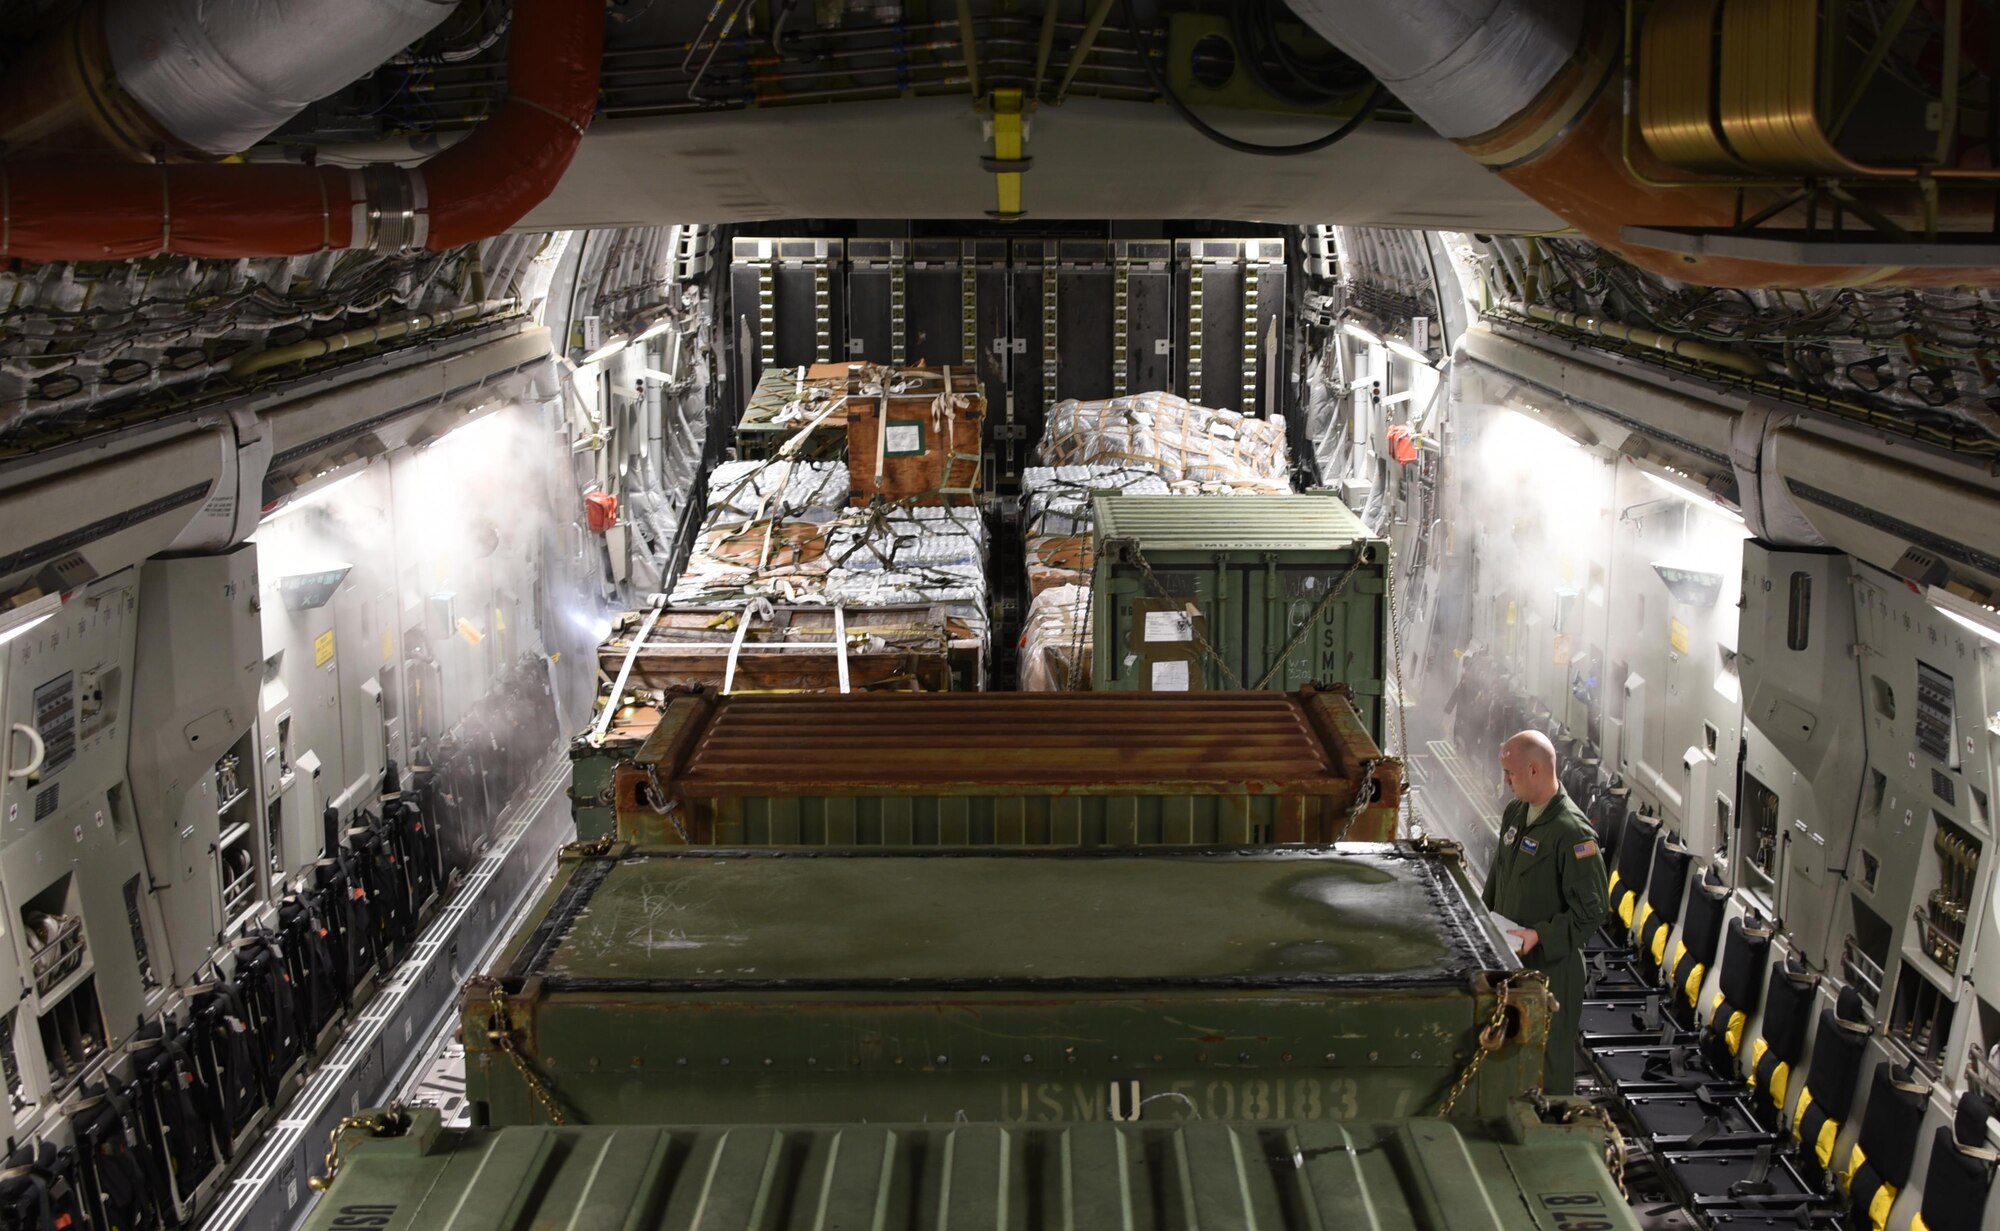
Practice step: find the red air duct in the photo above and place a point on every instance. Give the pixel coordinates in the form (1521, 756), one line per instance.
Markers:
(91, 212)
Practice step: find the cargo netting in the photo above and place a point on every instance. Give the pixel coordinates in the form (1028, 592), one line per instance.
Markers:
(1058, 497)
(1192, 448)
(810, 552)
(1057, 505)
(805, 491)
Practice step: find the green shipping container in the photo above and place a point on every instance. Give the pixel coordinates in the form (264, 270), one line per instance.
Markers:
(1009, 769)
(1216, 592)
(713, 986)
(1515, 1174)
(594, 765)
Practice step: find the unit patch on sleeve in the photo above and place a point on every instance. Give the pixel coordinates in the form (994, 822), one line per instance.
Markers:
(1529, 846)
(1586, 848)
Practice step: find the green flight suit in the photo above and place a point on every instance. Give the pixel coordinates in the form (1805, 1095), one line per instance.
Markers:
(1550, 876)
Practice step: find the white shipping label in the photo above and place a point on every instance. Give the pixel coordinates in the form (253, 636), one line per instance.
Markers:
(905, 439)
(1169, 626)
(1170, 677)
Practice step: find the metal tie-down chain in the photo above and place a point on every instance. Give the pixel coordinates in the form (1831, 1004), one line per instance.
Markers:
(1492, 1036)
(500, 1033)
(389, 1121)
(1402, 706)
(1363, 796)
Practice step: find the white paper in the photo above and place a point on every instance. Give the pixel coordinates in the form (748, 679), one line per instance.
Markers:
(905, 439)
(1170, 677)
(1169, 626)
(1508, 928)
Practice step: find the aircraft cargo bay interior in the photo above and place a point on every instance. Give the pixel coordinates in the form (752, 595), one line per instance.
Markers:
(1035, 614)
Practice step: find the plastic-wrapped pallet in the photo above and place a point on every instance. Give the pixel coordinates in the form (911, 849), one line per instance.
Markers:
(1055, 641)
(733, 562)
(1059, 560)
(805, 491)
(891, 557)
(1058, 497)
(860, 558)
(1173, 437)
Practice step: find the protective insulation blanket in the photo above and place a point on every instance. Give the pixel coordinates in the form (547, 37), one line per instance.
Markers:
(1055, 641)
(805, 491)
(1213, 450)
(1058, 497)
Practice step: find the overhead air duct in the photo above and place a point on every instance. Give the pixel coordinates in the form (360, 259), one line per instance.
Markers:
(73, 210)
(196, 78)
(1538, 91)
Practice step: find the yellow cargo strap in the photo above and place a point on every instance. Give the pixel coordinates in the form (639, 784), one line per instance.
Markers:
(1009, 153)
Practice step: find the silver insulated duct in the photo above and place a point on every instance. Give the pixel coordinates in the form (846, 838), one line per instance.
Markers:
(221, 75)
(1464, 66)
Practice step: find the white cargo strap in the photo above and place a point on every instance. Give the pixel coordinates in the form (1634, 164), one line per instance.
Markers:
(624, 674)
(840, 644)
(882, 440)
(798, 439)
(750, 613)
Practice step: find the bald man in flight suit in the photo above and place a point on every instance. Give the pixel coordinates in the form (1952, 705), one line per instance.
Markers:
(1548, 876)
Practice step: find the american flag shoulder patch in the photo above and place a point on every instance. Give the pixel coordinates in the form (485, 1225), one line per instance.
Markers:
(1586, 848)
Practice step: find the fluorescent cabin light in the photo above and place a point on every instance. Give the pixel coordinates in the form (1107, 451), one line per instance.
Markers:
(1981, 620)
(28, 615)
(310, 498)
(655, 329)
(1354, 330)
(604, 352)
(1692, 496)
(1410, 353)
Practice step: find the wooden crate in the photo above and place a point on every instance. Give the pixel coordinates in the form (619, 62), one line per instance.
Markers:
(904, 444)
(761, 429)
(793, 649)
